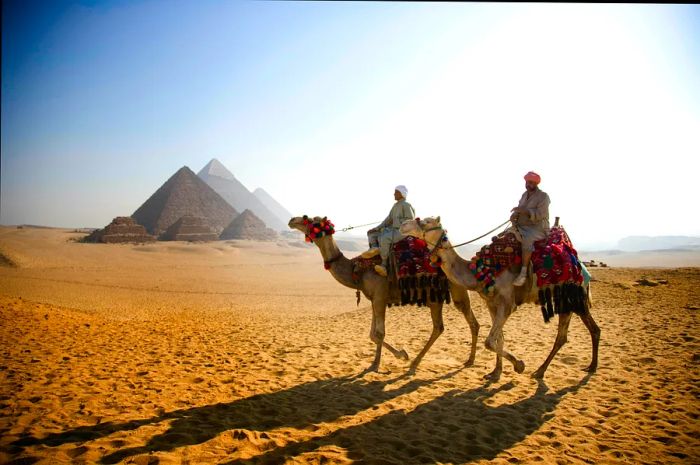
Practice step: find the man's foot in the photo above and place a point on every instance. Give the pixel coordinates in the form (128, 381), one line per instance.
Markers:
(520, 280)
(381, 270)
(373, 252)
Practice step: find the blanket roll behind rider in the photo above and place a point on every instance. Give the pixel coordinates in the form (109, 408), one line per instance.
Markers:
(382, 237)
(531, 219)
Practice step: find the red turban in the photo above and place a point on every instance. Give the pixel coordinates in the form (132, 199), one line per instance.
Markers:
(532, 176)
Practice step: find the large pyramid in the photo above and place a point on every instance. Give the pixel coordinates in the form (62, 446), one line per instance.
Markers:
(184, 194)
(248, 226)
(235, 193)
(189, 228)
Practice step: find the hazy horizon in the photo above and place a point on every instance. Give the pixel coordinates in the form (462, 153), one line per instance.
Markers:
(327, 106)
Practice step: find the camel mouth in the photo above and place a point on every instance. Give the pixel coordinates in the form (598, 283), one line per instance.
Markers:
(295, 223)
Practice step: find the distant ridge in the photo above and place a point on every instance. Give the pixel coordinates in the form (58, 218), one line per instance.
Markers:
(273, 205)
(219, 178)
(184, 194)
(640, 243)
(248, 226)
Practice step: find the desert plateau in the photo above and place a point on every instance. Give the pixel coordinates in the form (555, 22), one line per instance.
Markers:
(249, 352)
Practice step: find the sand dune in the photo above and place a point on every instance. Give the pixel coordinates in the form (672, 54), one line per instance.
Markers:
(239, 352)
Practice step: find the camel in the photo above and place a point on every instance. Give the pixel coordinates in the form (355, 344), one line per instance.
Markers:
(377, 290)
(501, 303)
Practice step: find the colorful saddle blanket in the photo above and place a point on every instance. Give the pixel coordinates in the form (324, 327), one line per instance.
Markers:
(554, 262)
(419, 280)
(493, 259)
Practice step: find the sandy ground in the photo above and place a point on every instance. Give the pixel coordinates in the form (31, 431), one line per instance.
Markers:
(242, 352)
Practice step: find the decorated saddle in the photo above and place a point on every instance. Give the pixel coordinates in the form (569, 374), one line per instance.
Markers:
(418, 280)
(555, 263)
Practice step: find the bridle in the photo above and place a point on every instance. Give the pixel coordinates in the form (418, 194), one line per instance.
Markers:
(316, 230)
(438, 244)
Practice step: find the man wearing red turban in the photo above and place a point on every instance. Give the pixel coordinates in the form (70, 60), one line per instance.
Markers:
(531, 219)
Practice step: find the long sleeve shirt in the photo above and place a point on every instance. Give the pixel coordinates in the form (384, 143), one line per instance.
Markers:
(400, 212)
(537, 206)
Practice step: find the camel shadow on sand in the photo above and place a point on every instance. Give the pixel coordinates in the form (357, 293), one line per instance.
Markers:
(298, 407)
(455, 427)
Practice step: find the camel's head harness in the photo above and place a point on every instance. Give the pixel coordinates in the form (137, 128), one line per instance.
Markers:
(317, 227)
(428, 229)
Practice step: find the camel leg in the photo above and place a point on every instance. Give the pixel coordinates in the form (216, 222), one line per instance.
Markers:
(463, 303)
(562, 331)
(376, 334)
(494, 342)
(593, 328)
(438, 329)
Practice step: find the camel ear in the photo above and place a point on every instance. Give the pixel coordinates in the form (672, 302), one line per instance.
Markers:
(438, 220)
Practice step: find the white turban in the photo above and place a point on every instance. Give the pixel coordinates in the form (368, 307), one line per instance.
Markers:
(401, 188)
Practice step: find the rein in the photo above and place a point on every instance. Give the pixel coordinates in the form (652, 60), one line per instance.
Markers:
(358, 226)
(443, 237)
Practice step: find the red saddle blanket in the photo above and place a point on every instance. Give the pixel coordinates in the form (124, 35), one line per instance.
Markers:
(413, 257)
(554, 260)
(419, 280)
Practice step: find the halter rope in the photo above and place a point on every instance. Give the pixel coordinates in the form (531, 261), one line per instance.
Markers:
(444, 234)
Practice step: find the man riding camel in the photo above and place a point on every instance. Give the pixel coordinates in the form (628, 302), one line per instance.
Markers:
(531, 219)
(382, 237)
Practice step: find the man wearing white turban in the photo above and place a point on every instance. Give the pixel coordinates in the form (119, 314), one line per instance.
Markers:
(382, 237)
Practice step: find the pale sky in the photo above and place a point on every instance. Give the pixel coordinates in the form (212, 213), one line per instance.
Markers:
(328, 106)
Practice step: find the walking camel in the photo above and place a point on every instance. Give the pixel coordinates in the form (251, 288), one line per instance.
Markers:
(377, 290)
(501, 301)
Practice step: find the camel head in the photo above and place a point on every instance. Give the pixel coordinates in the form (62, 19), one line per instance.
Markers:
(428, 229)
(313, 228)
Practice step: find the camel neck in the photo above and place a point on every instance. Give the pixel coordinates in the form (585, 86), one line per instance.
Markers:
(340, 266)
(455, 267)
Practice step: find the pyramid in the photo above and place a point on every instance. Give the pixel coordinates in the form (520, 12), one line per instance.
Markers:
(184, 194)
(248, 226)
(189, 228)
(237, 195)
(121, 229)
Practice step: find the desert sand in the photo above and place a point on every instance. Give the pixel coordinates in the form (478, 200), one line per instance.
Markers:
(240, 352)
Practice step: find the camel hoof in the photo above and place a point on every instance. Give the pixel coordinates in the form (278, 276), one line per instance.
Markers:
(372, 368)
(403, 355)
(493, 377)
(519, 366)
(539, 374)
(470, 362)
(591, 368)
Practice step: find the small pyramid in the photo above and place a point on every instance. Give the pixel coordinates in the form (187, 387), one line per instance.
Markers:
(248, 226)
(122, 229)
(184, 194)
(189, 228)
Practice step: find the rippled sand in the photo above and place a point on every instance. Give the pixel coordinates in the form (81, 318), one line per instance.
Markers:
(244, 352)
